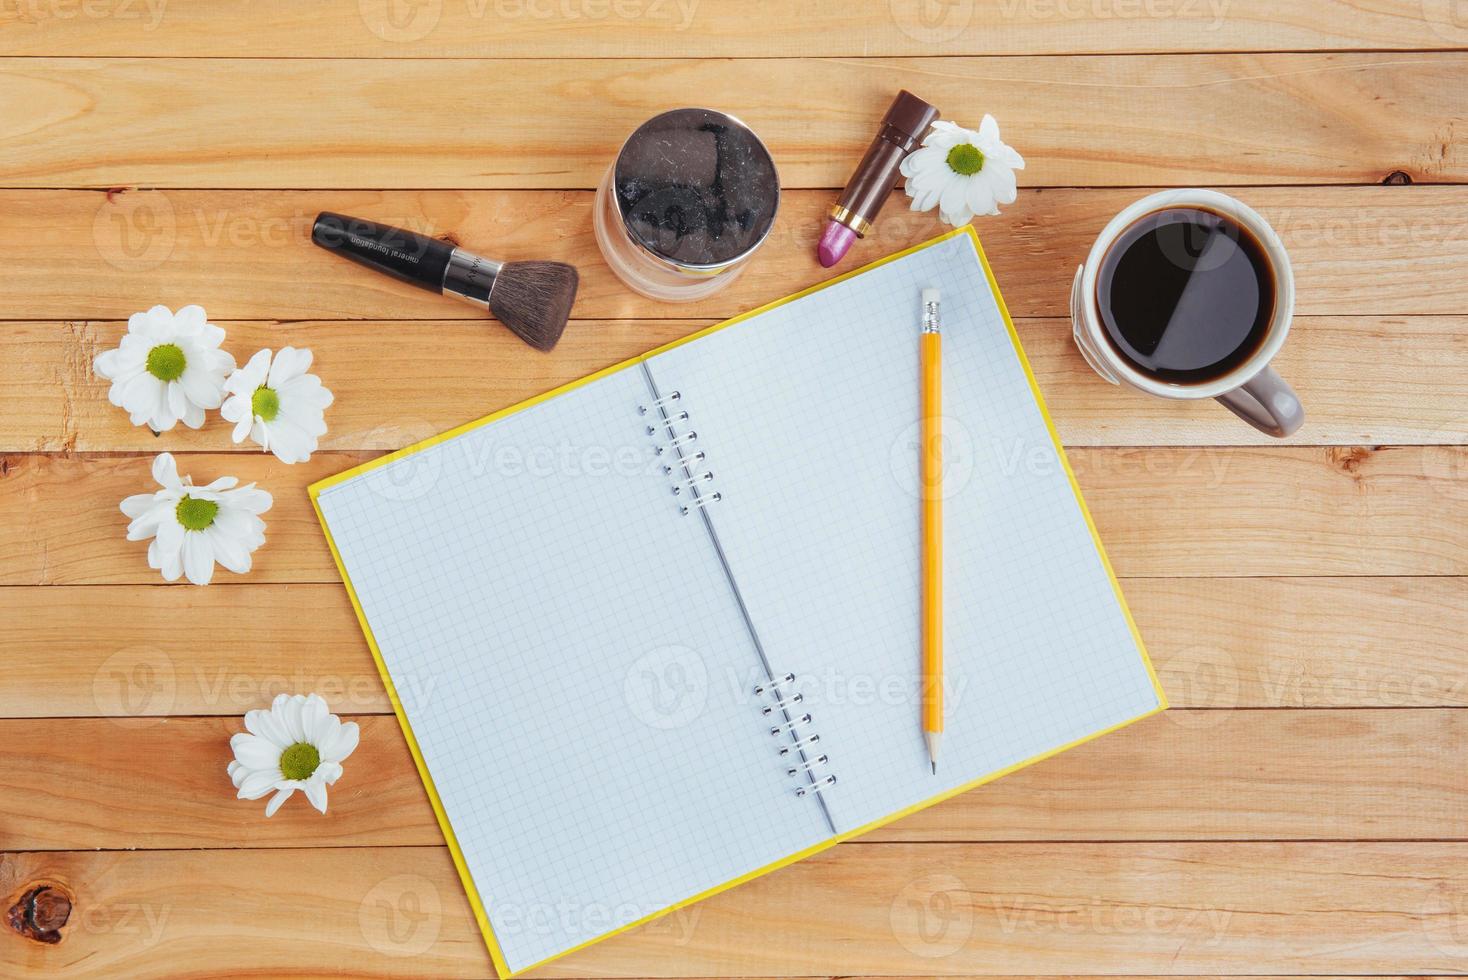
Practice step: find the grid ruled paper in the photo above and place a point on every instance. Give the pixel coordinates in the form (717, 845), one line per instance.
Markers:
(573, 667)
(810, 413)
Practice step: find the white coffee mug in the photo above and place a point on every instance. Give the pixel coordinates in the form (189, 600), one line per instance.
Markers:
(1251, 389)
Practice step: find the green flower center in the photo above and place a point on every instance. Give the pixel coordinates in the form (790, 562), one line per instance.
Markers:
(965, 159)
(166, 362)
(195, 514)
(299, 761)
(265, 403)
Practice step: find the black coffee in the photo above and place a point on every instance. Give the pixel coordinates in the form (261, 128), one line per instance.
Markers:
(1186, 295)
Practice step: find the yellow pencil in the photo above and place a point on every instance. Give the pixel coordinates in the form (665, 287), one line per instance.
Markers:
(931, 360)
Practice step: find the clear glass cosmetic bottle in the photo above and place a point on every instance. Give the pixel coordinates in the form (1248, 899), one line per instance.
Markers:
(690, 197)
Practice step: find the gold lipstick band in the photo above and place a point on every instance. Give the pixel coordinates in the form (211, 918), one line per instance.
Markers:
(855, 222)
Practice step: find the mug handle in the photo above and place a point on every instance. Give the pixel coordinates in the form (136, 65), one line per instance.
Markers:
(1267, 403)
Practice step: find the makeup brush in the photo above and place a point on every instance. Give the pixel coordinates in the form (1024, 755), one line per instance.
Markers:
(533, 299)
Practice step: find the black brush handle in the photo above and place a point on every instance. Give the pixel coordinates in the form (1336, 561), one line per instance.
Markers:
(397, 252)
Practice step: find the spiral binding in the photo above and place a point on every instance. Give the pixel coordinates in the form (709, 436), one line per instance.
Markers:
(780, 700)
(686, 467)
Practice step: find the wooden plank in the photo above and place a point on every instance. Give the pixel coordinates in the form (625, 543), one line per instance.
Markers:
(1079, 120)
(1306, 643)
(80, 784)
(693, 28)
(1239, 511)
(81, 651)
(864, 909)
(1397, 380)
(246, 255)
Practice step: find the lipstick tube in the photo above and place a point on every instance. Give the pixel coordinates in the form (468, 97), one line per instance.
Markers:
(851, 217)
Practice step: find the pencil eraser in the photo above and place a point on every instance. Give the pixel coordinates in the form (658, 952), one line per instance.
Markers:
(930, 296)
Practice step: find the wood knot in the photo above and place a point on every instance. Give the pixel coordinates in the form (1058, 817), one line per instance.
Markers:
(1350, 459)
(40, 913)
(1397, 178)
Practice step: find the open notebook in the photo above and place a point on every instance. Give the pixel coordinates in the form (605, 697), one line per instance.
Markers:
(596, 649)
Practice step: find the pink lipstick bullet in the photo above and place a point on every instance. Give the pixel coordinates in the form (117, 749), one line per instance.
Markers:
(907, 118)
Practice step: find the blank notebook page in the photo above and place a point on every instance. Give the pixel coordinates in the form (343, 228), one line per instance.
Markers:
(809, 414)
(573, 667)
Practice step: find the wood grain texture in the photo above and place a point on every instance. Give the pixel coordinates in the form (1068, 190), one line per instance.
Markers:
(1189, 775)
(1364, 380)
(1301, 811)
(1079, 120)
(78, 255)
(1190, 512)
(865, 909)
(81, 651)
(700, 28)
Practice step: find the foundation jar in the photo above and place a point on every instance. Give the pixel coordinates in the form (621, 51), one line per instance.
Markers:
(690, 197)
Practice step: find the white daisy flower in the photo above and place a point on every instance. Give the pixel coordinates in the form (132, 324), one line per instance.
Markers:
(194, 527)
(277, 404)
(297, 745)
(168, 367)
(963, 172)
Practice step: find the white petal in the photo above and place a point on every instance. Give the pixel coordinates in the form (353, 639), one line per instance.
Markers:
(190, 317)
(165, 471)
(211, 336)
(933, 180)
(289, 442)
(923, 158)
(267, 723)
(314, 719)
(980, 196)
(258, 782)
(306, 391)
(229, 552)
(277, 800)
(288, 364)
(1002, 182)
(989, 128)
(329, 772)
(146, 524)
(315, 790)
(138, 504)
(242, 428)
(249, 499)
(201, 387)
(951, 201)
(290, 714)
(342, 744)
(254, 751)
(198, 558)
(178, 402)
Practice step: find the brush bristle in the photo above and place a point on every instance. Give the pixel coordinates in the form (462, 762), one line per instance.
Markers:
(534, 300)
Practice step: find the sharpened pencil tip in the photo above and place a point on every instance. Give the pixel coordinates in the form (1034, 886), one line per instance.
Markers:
(935, 767)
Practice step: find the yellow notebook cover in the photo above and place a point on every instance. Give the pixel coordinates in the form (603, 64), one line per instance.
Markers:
(476, 900)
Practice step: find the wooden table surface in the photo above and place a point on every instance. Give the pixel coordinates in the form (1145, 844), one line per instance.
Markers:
(1302, 810)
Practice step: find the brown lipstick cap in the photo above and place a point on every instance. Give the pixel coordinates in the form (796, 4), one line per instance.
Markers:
(908, 117)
